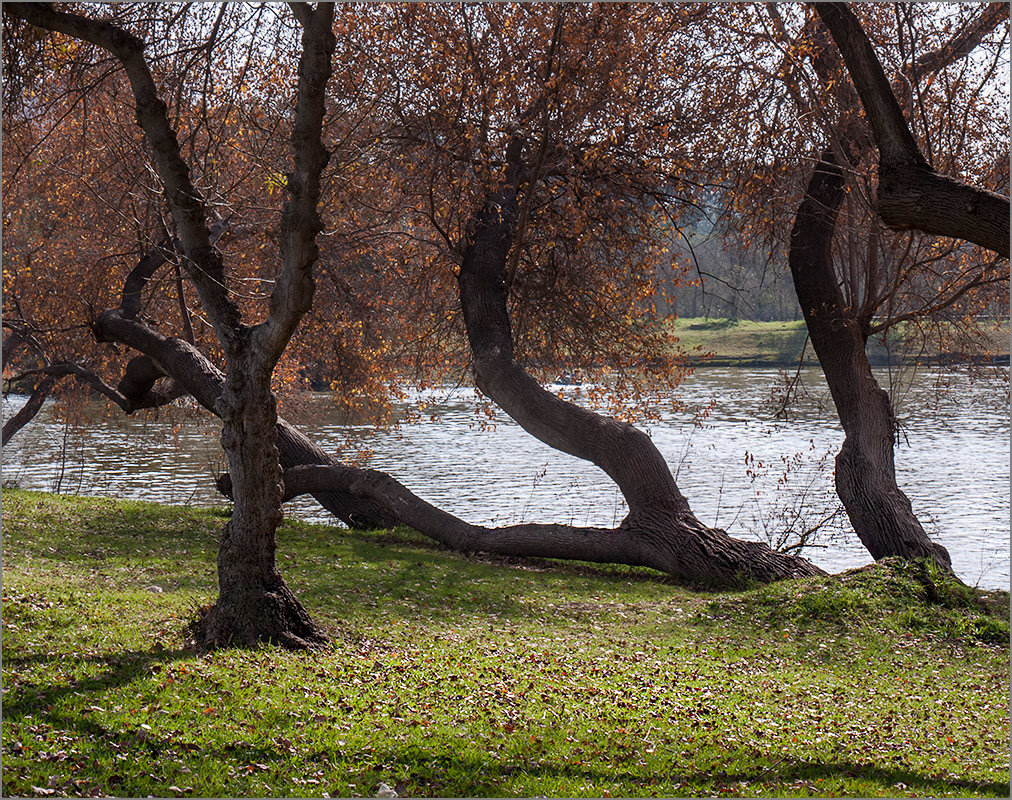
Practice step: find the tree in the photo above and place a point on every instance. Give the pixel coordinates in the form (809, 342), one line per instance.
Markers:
(254, 604)
(524, 168)
(880, 512)
(506, 185)
(77, 181)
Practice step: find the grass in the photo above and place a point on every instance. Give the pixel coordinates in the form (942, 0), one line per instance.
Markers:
(733, 342)
(460, 676)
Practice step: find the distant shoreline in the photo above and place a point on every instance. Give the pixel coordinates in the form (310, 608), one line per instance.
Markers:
(779, 343)
(945, 359)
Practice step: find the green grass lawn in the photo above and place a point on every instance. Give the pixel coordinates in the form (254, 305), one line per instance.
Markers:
(459, 676)
(730, 342)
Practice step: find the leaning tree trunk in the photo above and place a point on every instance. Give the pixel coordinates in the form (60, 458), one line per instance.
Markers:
(660, 529)
(30, 409)
(865, 471)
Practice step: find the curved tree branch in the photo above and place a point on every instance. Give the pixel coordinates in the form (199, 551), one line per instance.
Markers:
(912, 196)
(133, 286)
(30, 409)
(961, 45)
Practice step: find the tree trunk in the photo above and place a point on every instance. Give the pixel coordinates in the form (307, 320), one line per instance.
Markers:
(865, 472)
(371, 499)
(660, 530)
(254, 604)
(28, 411)
(662, 539)
(912, 196)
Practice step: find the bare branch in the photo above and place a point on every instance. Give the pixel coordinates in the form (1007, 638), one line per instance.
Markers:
(86, 376)
(30, 409)
(960, 45)
(139, 276)
(185, 201)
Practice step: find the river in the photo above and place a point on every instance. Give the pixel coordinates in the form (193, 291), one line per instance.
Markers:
(739, 466)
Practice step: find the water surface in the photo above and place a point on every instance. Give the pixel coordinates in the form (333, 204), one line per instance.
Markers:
(740, 467)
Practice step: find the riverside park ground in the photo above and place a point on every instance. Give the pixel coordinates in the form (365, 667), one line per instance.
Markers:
(452, 675)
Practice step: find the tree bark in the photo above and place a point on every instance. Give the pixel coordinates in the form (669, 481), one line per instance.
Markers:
(660, 530)
(915, 197)
(678, 545)
(911, 195)
(30, 409)
(881, 514)
(192, 370)
(254, 604)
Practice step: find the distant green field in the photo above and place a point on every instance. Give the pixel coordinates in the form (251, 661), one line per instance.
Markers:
(731, 342)
(457, 676)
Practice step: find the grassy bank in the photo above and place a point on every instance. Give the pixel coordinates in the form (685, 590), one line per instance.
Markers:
(779, 343)
(457, 676)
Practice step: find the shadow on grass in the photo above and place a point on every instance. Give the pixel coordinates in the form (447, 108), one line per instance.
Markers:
(86, 531)
(427, 776)
(425, 581)
(148, 755)
(124, 666)
(98, 768)
(790, 770)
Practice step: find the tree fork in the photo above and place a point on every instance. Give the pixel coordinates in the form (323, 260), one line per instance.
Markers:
(253, 605)
(912, 196)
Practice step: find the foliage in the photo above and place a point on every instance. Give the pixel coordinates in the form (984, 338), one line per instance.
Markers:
(417, 134)
(453, 676)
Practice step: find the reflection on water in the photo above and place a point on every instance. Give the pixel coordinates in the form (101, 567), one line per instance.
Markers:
(740, 468)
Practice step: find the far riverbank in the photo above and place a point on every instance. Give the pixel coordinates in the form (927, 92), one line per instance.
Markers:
(779, 343)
